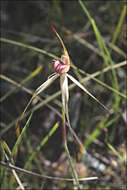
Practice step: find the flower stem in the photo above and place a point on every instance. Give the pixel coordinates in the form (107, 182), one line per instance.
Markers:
(74, 174)
(71, 165)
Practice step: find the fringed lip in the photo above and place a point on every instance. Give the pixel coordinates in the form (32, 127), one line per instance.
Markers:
(60, 67)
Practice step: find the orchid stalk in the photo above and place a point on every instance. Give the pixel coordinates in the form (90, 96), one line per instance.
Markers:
(61, 67)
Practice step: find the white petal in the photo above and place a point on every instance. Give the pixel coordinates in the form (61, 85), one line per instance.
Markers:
(39, 90)
(85, 90)
(64, 88)
(46, 84)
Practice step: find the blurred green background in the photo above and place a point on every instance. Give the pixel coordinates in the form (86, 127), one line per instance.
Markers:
(103, 136)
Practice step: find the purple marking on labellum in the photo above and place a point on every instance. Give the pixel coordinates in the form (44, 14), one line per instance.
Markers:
(59, 67)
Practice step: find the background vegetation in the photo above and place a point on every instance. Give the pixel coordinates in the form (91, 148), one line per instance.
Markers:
(94, 45)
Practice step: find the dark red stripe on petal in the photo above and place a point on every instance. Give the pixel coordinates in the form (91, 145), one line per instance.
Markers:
(52, 28)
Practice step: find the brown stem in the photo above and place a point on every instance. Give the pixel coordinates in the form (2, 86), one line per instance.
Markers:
(64, 131)
(27, 172)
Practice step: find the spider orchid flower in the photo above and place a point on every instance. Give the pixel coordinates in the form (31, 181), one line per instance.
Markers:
(61, 67)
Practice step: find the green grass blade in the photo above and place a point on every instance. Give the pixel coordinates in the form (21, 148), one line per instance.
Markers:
(4, 174)
(100, 129)
(29, 77)
(42, 143)
(113, 79)
(117, 50)
(37, 161)
(115, 152)
(27, 46)
(3, 171)
(7, 154)
(84, 9)
(15, 147)
(7, 150)
(119, 25)
(105, 54)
